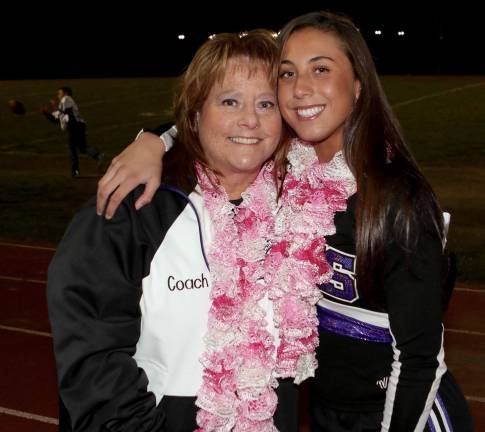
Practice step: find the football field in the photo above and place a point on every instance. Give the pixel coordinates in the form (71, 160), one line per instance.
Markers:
(442, 117)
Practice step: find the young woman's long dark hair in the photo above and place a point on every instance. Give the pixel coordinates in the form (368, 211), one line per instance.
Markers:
(394, 199)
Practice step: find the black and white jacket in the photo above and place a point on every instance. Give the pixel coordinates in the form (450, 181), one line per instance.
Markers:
(128, 304)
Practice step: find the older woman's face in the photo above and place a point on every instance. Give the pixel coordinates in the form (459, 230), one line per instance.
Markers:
(239, 124)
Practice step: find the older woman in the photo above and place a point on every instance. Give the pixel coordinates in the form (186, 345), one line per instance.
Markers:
(159, 311)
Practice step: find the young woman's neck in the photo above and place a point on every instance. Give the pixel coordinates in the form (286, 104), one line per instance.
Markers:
(327, 148)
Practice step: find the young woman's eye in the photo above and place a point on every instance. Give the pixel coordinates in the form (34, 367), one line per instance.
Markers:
(229, 102)
(286, 74)
(322, 69)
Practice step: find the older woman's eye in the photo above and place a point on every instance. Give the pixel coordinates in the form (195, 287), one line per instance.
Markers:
(286, 74)
(267, 104)
(229, 102)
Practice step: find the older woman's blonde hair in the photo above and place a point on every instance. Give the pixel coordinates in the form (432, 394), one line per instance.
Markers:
(256, 48)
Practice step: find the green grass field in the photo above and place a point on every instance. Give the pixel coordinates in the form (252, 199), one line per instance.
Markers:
(443, 119)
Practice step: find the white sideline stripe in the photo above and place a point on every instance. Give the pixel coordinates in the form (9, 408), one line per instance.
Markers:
(470, 290)
(469, 332)
(39, 333)
(438, 94)
(39, 281)
(27, 246)
(54, 249)
(27, 331)
(29, 416)
(475, 399)
(16, 279)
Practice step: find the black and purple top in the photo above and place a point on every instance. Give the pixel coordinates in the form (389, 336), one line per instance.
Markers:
(389, 360)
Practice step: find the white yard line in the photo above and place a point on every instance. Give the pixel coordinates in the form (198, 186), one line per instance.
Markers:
(27, 246)
(39, 281)
(45, 334)
(17, 279)
(438, 94)
(467, 332)
(474, 290)
(26, 331)
(29, 416)
(475, 399)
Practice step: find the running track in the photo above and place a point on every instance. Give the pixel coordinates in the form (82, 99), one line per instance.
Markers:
(28, 395)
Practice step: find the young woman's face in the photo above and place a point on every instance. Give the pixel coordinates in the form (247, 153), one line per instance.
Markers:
(239, 124)
(316, 86)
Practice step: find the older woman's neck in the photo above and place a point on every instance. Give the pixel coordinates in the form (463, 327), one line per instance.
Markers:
(236, 184)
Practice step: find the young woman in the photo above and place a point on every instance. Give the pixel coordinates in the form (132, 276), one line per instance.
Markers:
(381, 358)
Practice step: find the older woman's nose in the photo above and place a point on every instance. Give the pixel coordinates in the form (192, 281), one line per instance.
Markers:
(249, 118)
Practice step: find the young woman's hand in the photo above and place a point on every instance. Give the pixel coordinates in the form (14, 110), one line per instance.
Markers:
(139, 163)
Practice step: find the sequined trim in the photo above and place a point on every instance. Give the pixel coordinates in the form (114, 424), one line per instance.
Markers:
(334, 322)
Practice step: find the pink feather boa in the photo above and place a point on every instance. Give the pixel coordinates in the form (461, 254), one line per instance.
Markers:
(264, 249)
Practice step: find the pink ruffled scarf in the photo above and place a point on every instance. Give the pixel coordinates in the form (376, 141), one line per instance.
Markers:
(264, 249)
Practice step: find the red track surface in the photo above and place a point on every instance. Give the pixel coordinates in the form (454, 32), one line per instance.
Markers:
(28, 393)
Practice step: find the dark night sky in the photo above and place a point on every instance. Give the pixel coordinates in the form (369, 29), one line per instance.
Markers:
(137, 38)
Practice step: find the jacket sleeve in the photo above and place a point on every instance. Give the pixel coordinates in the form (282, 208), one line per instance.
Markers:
(94, 289)
(413, 285)
(160, 129)
(51, 117)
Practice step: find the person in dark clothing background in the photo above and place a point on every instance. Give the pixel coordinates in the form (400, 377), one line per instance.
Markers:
(67, 115)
